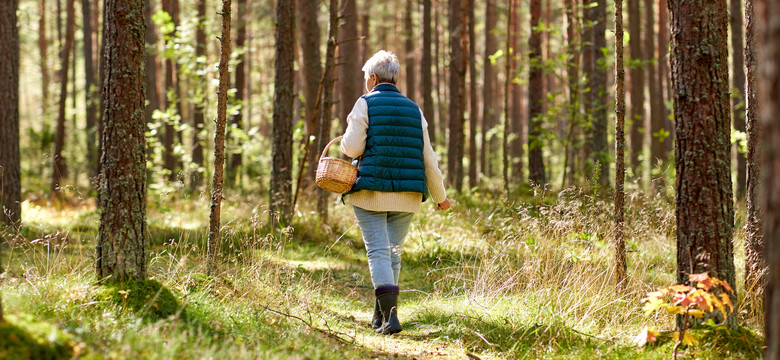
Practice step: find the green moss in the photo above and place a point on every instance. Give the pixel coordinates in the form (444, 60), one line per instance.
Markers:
(24, 338)
(148, 298)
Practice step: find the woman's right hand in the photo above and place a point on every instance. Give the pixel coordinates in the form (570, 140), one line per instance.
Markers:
(444, 205)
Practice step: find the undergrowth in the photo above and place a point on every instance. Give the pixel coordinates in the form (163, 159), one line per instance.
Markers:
(528, 279)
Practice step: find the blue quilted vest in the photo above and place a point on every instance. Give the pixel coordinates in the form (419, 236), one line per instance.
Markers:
(393, 159)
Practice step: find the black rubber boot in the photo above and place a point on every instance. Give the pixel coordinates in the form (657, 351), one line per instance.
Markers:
(376, 321)
(387, 299)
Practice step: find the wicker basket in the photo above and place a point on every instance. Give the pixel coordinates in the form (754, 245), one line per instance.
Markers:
(335, 175)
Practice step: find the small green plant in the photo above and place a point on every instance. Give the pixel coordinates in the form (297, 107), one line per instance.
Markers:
(706, 297)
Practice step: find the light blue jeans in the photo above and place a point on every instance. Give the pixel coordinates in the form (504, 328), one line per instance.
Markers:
(383, 234)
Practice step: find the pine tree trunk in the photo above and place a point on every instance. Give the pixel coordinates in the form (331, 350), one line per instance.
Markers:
(518, 123)
(409, 60)
(588, 70)
(473, 100)
(327, 99)
(488, 83)
(281, 148)
(620, 146)
(152, 92)
(738, 83)
(10, 181)
(219, 140)
(351, 75)
(507, 81)
(171, 88)
(121, 248)
(637, 91)
(237, 119)
(43, 44)
(60, 170)
(458, 64)
(425, 69)
(572, 75)
(536, 173)
(599, 150)
(755, 261)
(92, 89)
(770, 107)
(309, 35)
(198, 121)
(704, 211)
(658, 155)
(664, 77)
(365, 32)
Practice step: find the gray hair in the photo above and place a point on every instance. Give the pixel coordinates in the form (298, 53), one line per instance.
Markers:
(385, 65)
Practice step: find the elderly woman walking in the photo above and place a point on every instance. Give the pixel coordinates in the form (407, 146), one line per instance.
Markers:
(397, 170)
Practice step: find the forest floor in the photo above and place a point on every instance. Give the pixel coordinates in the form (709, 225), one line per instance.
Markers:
(483, 281)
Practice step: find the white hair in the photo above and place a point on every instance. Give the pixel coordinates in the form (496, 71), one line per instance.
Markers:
(385, 65)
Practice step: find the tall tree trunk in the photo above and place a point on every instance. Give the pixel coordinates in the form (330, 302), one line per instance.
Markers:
(219, 140)
(664, 77)
(441, 86)
(327, 98)
(60, 169)
(237, 119)
(658, 155)
(637, 91)
(770, 103)
(704, 211)
(572, 75)
(281, 147)
(598, 90)
(171, 88)
(121, 247)
(425, 69)
(43, 44)
(738, 83)
(351, 74)
(10, 178)
(309, 35)
(536, 173)
(620, 144)
(755, 262)
(488, 82)
(518, 123)
(91, 90)
(152, 91)
(409, 60)
(365, 31)
(198, 121)
(508, 69)
(473, 100)
(458, 63)
(588, 70)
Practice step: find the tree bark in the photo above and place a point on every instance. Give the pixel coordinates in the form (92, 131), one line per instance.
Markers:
(658, 154)
(43, 44)
(536, 173)
(508, 69)
(92, 89)
(572, 111)
(620, 145)
(473, 100)
(755, 261)
(152, 91)
(10, 178)
(588, 70)
(664, 77)
(351, 73)
(458, 64)
(309, 35)
(738, 83)
(237, 119)
(598, 91)
(198, 120)
(60, 169)
(281, 147)
(219, 140)
(171, 88)
(488, 83)
(770, 128)
(409, 61)
(121, 248)
(518, 123)
(637, 91)
(425, 69)
(327, 98)
(704, 211)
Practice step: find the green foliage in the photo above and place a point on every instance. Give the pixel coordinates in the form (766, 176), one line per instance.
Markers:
(23, 337)
(148, 298)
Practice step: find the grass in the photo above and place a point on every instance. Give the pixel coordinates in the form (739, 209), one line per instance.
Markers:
(531, 279)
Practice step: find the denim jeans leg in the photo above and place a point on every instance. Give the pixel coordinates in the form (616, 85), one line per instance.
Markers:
(373, 225)
(397, 228)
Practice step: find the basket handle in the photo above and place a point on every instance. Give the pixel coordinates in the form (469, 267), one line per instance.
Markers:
(325, 150)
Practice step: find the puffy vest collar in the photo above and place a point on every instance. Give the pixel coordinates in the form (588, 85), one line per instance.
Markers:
(385, 87)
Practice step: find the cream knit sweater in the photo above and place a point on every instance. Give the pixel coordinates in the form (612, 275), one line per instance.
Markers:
(354, 143)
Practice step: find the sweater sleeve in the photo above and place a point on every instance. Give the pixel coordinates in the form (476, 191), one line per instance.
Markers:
(354, 142)
(433, 177)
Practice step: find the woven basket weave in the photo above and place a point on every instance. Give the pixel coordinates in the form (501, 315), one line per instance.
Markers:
(335, 175)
